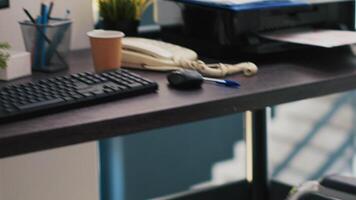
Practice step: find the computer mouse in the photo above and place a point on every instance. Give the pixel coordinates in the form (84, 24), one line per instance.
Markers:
(185, 79)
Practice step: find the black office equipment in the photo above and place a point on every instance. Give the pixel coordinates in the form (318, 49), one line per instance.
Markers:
(185, 79)
(235, 31)
(23, 100)
(340, 183)
(4, 3)
(329, 188)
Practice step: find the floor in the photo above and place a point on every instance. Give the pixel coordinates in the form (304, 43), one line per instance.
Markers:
(307, 139)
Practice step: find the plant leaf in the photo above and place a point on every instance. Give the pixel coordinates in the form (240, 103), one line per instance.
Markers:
(119, 10)
(4, 55)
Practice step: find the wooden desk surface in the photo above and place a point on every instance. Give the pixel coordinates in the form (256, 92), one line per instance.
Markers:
(280, 80)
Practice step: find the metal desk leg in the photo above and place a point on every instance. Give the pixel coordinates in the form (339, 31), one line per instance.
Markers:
(353, 106)
(256, 149)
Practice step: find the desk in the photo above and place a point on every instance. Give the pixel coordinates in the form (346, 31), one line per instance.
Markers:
(280, 80)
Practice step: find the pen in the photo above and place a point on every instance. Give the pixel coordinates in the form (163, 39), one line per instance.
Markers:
(29, 16)
(43, 22)
(227, 83)
(66, 16)
(50, 10)
(44, 36)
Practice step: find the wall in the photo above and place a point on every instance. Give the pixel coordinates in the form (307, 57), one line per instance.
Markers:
(81, 14)
(69, 173)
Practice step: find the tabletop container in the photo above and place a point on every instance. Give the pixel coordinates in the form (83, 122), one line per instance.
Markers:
(48, 54)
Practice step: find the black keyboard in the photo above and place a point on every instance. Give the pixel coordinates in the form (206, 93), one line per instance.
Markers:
(46, 96)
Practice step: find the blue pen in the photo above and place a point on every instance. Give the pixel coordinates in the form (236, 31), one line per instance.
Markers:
(44, 22)
(227, 83)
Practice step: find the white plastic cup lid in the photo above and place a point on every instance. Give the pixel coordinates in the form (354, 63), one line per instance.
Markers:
(105, 34)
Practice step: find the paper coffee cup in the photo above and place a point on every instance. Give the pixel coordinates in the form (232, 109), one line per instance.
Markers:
(106, 47)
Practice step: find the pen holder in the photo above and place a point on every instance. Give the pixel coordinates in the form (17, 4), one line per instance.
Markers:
(48, 44)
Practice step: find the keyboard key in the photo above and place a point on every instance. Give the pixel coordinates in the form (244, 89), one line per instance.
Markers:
(68, 98)
(37, 104)
(10, 110)
(134, 85)
(87, 94)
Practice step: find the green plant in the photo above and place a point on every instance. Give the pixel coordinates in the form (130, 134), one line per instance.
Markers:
(118, 10)
(4, 55)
